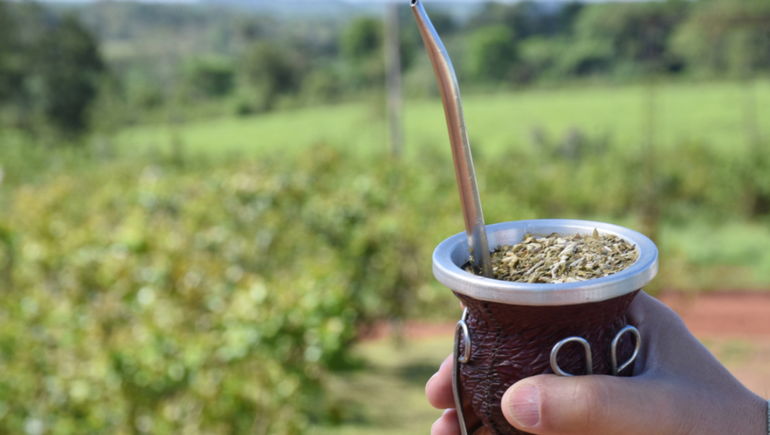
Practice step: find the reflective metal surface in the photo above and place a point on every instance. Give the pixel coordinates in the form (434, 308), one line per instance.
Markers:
(451, 255)
(555, 355)
(461, 332)
(614, 350)
(458, 137)
(589, 359)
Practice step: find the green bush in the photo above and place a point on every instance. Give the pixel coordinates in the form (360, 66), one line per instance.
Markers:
(209, 77)
(492, 53)
(272, 70)
(725, 38)
(183, 295)
(50, 70)
(152, 298)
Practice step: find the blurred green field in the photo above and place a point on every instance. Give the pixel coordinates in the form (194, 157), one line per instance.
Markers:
(697, 128)
(715, 114)
(387, 395)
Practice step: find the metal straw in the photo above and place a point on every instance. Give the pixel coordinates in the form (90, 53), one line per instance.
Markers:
(458, 137)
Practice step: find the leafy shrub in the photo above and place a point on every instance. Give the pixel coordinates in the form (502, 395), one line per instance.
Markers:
(209, 77)
(362, 39)
(156, 299)
(272, 70)
(492, 53)
(196, 296)
(50, 69)
(725, 37)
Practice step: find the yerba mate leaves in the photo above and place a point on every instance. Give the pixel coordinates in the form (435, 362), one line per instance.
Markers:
(559, 259)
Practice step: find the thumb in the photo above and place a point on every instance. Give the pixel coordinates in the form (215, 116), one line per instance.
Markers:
(599, 405)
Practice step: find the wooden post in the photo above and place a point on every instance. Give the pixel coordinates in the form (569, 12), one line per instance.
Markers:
(650, 198)
(393, 79)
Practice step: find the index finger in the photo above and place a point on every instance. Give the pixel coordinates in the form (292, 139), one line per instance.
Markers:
(439, 387)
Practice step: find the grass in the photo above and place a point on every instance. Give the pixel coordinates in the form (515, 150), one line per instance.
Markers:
(388, 395)
(710, 113)
(729, 255)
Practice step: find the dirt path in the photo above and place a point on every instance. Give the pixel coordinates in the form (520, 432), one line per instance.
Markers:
(735, 326)
(724, 314)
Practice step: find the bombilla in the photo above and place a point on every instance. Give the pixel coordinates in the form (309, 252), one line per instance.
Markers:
(458, 137)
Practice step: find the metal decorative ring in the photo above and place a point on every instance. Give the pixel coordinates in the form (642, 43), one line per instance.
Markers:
(555, 354)
(461, 331)
(614, 351)
(461, 325)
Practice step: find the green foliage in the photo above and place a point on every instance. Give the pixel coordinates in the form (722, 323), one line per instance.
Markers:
(49, 71)
(362, 39)
(209, 298)
(560, 59)
(361, 45)
(637, 32)
(588, 56)
(323, 86)
(68, 64)
(10, 72)
(267, 66)
(283, 61)
(491, 53)
(576, 39)
(143, 93)
(209, 77)
(726, 37)
(528, 19)
(272, 70)
(210, 295)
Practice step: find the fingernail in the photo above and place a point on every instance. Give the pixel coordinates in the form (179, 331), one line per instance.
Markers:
(524, 405)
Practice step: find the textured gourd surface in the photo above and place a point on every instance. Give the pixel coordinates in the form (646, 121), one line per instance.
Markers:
(511, 342)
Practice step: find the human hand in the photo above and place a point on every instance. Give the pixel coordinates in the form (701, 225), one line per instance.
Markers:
(677, 388)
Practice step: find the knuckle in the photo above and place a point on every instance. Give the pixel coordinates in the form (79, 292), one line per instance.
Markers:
(596, 404)
(583, 408)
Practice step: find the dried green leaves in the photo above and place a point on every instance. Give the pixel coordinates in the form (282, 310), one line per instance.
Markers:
(556, 259)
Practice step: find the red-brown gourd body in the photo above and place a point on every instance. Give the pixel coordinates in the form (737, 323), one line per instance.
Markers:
(511, 342)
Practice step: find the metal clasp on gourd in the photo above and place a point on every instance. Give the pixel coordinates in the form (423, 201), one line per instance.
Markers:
(589, 359)
(614, 351)
(461, 333)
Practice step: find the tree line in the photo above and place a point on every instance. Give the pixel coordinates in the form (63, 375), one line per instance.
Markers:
(61, 67)
(49, 69)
